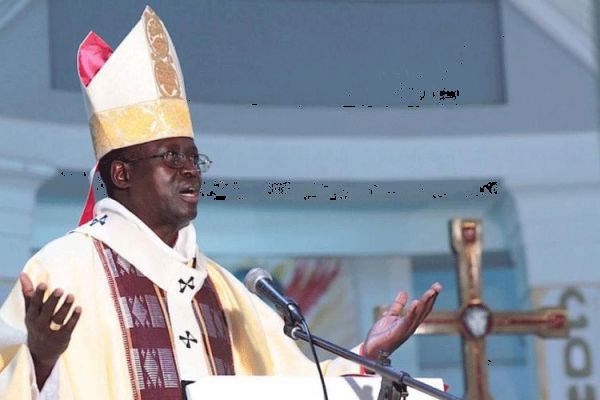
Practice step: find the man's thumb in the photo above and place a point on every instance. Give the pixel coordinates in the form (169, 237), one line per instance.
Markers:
(26, 288)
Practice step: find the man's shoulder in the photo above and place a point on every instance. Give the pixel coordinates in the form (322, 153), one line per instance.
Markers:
(69, 262)
(73, 244)
(214, 268)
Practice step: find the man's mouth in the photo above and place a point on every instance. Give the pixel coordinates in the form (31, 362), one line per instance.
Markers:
(190, 193)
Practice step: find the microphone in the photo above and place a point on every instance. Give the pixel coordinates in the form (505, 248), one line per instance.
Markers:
(260, 282)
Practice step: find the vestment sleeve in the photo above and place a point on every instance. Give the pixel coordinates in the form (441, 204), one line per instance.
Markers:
(258, 335)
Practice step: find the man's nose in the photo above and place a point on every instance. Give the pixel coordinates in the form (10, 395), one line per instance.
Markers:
(189, 167)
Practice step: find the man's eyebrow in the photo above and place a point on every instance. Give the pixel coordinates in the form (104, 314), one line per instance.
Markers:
(177, 148)
(192, 149)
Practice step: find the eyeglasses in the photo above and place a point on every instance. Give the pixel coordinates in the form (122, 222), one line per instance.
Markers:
(176, 160)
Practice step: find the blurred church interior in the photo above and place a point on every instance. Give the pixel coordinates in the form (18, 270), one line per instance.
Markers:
(345, 134)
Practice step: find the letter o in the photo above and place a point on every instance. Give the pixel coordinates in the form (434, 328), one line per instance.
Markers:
(578, 371)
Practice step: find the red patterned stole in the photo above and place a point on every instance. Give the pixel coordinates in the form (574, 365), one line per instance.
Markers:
(144, 319)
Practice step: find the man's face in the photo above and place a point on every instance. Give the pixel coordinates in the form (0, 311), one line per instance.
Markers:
(164, 196)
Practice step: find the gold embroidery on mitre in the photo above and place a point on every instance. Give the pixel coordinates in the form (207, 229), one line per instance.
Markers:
(165, 74)
(140, 123)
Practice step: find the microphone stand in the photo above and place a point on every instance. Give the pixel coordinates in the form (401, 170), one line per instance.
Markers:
(393, 384)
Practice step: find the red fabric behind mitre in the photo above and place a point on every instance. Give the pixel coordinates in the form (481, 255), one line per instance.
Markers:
(91, 56)
(88, 209)
(87, 214)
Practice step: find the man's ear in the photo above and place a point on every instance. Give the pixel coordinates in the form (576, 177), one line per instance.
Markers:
(120, 173)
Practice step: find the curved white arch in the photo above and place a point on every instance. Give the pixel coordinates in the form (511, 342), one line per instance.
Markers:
(568, 22)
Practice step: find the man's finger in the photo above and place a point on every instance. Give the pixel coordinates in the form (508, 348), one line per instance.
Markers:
(63, 311)
(37, 300)
(411, 315)
(70, 325)
(414, 314)
(431, 301)
(428, 296)
(431, 292)
(26, 289)
(431, 296)
(50, 305)
(398, 305)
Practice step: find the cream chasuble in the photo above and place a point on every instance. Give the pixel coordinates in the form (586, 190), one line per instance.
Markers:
(97, 363)
(166, 267)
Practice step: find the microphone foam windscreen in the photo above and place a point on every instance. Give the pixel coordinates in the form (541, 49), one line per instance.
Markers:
(253, 276)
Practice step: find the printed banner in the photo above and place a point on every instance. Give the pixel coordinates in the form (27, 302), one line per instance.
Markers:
(322, 287)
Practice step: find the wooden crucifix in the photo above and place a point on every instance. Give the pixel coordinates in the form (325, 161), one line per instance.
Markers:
(475, 320)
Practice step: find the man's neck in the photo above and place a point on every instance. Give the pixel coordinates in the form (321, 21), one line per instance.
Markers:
(167, 235)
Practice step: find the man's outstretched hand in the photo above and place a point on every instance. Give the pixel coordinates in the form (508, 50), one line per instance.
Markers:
(48, 334)
(392, 329)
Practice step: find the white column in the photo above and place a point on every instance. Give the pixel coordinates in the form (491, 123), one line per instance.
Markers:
(560, 233)
(560, 230)
(19, 182)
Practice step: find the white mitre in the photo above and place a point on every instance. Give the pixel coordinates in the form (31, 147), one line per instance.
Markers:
(136, 94)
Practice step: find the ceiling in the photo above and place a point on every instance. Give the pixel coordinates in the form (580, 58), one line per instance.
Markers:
(315, 53)
(301, 62)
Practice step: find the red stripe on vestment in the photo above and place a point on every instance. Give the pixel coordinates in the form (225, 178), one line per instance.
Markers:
(115, 296)
(217, 331)
(144, 321)
(148, 346)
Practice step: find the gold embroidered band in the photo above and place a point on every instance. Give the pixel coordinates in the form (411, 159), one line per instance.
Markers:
(164, 70)
(140, 123)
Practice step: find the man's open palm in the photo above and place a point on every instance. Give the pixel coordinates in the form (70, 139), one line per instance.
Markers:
(393, 328)
(48, 334)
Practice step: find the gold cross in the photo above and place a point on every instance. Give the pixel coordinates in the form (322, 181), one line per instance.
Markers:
(474, 320)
